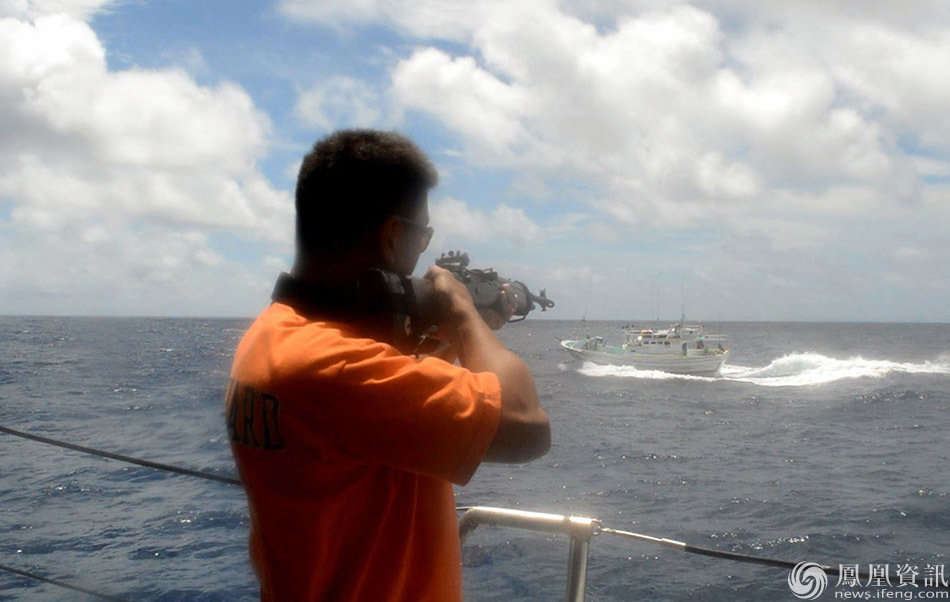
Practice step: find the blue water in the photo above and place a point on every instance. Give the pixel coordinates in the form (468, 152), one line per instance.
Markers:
(820, 442)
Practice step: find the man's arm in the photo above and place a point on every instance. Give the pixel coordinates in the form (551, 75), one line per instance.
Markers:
(524, 432)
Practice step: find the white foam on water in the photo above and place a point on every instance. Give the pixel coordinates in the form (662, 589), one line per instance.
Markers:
(792, 370)
(802, 369)
(599, 370)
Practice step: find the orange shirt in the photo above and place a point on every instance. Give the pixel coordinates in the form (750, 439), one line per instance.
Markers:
(348, 450)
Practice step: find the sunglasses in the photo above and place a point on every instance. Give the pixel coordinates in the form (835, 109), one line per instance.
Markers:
(426, 231)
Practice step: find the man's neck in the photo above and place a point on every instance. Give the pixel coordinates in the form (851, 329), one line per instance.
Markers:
(334, 272)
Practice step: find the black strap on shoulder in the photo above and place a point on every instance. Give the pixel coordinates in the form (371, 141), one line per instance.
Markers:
(314, 301)
(381, 304)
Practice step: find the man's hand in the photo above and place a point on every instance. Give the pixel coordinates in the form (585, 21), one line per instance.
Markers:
(498, 315)
(453, 302)
(523, 432)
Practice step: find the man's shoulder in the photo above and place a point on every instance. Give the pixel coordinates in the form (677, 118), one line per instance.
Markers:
(296, 347)
(296, 338)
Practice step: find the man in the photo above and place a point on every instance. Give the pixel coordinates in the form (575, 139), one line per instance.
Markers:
(347, 447)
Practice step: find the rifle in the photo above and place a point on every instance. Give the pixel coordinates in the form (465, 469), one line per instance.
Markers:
(485, 286)
(398, 309)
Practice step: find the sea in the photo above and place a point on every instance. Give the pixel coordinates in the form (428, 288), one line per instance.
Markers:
(820, 442)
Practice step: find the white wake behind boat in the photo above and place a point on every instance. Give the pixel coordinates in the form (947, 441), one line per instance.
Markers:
(680, 349)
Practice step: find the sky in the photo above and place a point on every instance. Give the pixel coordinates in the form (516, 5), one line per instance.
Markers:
(740, 161)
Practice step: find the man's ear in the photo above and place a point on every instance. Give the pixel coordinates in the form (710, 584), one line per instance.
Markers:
(388, 235)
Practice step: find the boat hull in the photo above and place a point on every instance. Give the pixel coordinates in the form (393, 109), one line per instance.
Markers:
(698, 365)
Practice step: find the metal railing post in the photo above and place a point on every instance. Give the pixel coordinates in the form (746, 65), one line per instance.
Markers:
(577, 569)
(579, 529)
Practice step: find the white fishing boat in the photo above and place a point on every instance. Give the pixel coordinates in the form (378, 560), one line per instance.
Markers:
(680, 349)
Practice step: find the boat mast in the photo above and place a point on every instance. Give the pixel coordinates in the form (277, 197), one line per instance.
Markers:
(683, 301)
(656, 304)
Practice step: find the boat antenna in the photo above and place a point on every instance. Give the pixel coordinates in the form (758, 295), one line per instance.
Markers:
(683, 297)
(656, 303)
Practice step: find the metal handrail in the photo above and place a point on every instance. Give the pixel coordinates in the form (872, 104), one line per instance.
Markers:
(579, 529)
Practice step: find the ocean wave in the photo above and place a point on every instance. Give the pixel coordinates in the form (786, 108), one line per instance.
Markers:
(803, 369)
(600, 370)
(791, 370)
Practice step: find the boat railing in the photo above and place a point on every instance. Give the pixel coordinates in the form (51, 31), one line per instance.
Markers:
(578, 529)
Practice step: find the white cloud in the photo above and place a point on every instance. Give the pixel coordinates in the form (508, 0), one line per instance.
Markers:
(909, 253)
(487, 112)
(903, 75)
(720, 178)
(424, 18)
(32, 9)
(116, 176)
(574, 275)
(114, 269)
(513, 224)
(801, 144)
(142, 143)
(558, 97)
(451, 219)
(454, 221)
(660, 105)
(334, 13)
(339, 101)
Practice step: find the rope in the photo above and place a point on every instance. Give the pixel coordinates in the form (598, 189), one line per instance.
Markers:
(122, 458)
(670, 543)
(59, 583)
(685, 547)
(103, 454)
(785, 564)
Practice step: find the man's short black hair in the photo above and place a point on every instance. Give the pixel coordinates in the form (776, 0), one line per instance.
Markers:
(352, 181)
